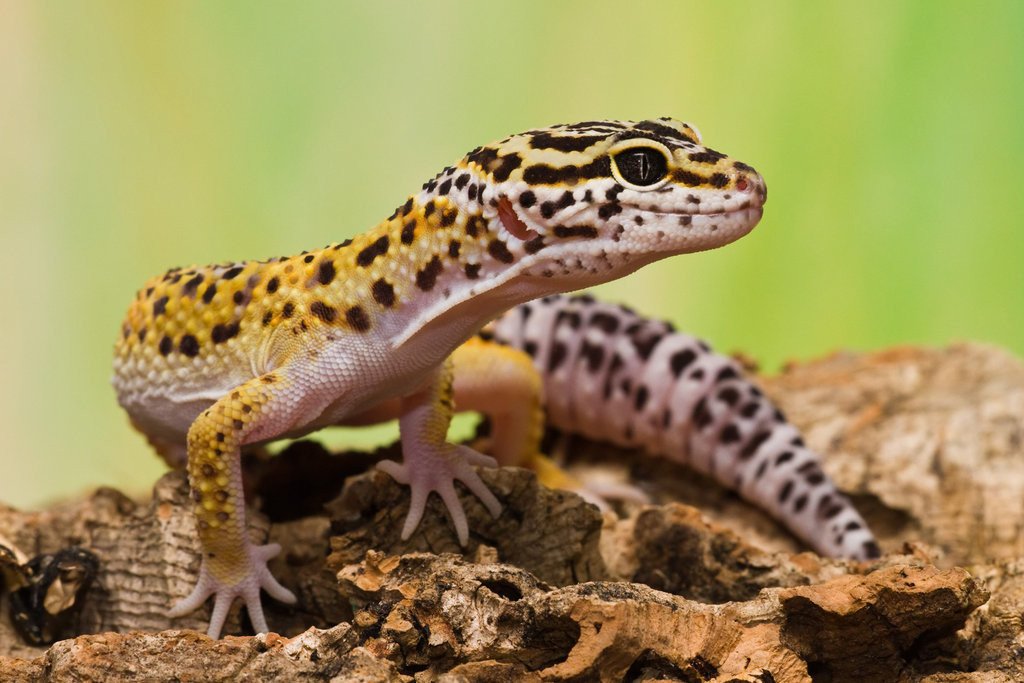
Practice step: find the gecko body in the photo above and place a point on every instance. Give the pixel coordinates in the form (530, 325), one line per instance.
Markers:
(214, 358)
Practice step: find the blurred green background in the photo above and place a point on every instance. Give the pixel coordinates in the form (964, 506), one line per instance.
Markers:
(138, 136)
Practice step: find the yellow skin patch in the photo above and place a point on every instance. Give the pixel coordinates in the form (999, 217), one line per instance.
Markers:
(192, 312)
(212, 359)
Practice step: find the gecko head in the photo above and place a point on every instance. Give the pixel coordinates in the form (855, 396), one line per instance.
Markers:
(592, 201)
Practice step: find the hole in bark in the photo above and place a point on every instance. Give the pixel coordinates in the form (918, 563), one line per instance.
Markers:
(504, 589)
(819, 672)
(650, 665)
(300, 479)
(549, 640)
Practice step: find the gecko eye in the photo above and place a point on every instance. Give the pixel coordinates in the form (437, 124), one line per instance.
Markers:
(640, 167)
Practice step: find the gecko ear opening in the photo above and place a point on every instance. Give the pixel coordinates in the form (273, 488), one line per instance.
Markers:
(512, 222)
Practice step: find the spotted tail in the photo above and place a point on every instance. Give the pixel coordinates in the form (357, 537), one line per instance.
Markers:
(612, 375)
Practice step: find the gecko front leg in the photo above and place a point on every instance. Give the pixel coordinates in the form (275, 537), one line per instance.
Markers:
(231, 565)
(430, 463)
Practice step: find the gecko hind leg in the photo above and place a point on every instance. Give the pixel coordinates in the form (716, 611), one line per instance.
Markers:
(503, 383)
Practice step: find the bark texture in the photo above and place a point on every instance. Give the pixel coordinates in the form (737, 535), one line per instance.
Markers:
(928, 442)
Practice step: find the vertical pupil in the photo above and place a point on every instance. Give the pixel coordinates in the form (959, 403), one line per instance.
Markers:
(643, 166)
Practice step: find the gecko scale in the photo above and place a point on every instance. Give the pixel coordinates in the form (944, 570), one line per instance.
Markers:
(212, 359)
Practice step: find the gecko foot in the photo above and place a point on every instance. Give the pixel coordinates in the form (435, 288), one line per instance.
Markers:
(257, 576)
(427, 469)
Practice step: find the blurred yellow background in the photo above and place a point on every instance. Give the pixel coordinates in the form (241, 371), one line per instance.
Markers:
(135, 136)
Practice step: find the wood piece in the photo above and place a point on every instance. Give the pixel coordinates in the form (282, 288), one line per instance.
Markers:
(928, 441)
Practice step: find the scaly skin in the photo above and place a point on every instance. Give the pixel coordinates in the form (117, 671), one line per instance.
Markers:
(612, 375)
(211, 359)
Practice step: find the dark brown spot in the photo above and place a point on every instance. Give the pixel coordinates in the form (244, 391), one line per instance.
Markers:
(325, 274)
(640, 400)
(499, 250)
(165, 345)
(701, 415)
(267, 317)
(708, 156)
(189, 346)
(761, 469)
(507, 164)
(453, 248)
(323, 311)
(448, 217)
(558, 354)
(192, 285)
(409, 232)
(542, 174)
(755, 442)
(427, 277)
(288, 309)
(534, 245)
(565, 143)
(787, 489)
(211, 290)
(605, 322)
(730, 434)
(472, 270)
(357, 319)
(384, 293)
(585, 231)
(750, 409)
(593, 354)
(272, 285)
(680, 360)
(221, 333)
(729, 396)
(570, 318)
(613, 368)
(688, 178)
(368, 254)
(645, 345)
(159, 306)
(728, 372)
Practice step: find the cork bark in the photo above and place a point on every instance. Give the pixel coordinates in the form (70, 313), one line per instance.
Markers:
(696, 586)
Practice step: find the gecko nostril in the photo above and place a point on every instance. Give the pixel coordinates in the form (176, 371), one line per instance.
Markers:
(742, 184)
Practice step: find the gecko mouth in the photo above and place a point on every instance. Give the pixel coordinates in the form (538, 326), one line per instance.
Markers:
(750, 210)
(751, 204)
(707, 214)
(512, 222)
